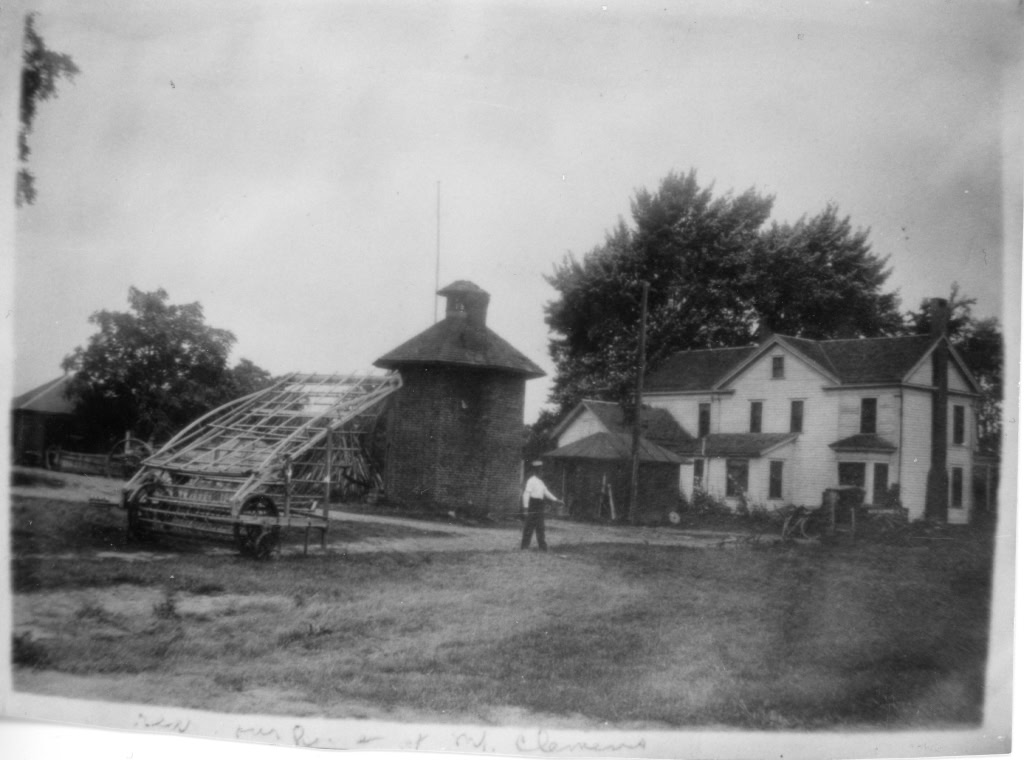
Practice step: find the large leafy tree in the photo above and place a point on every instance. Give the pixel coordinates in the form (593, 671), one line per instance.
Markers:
(154, 368)
(719, 274)
(41, 69)
(980, 343)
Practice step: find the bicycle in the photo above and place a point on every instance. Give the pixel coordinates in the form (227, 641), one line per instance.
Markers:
(803, 523)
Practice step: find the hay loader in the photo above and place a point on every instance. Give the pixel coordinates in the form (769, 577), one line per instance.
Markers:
(263, 463)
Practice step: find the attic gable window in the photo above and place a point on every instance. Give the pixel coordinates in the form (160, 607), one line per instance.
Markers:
(703, 420)
(778, 367)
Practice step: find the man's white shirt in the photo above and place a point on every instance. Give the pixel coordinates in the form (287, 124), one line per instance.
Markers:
(535, 489)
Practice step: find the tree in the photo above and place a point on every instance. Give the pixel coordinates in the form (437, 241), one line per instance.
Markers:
(718, 276)
(818, 279)
(154, 368)
(980, 343)
(41, 68)
(245, 378)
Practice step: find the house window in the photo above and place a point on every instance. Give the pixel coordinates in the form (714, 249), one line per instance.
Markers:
(881, 488)
(796, 417)
(775, 480)
(956, 488)
(755, 416)
(868, 415)
(958, 425)
(698, 473)
(778, 367)
(703, 420)
(736, 473)
(852, 474)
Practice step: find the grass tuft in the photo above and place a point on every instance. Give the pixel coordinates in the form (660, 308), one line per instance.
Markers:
(167, 608)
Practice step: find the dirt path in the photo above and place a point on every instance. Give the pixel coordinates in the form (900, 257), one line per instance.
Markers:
(419, 535)
(560, 533)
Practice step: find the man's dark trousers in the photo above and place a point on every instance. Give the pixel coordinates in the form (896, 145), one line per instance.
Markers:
(534, 522)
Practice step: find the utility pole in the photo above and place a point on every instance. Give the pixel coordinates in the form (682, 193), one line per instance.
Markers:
(634, 479)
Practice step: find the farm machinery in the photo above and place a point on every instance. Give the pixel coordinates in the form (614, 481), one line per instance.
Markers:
(263, 463)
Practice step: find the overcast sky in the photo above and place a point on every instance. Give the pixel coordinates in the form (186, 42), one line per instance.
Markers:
(279, 161)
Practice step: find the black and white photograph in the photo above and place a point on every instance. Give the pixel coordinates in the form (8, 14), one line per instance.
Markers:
(511, 377)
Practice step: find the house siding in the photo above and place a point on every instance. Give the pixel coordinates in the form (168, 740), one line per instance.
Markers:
(685, 410)
(957, 381)
(922, 375)
(915, 456)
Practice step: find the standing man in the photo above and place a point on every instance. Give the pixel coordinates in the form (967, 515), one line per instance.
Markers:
(533, 504)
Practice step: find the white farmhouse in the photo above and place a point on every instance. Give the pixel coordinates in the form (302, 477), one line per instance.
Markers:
(780, 422)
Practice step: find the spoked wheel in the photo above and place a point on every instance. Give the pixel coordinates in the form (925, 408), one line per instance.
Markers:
(258, 541)
(802, 523)
(811, 526)
(146, 496)
(126, 457)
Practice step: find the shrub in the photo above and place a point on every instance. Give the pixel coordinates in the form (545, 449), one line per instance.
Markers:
(892, 497)
(760, 513)
(705, 504)
(28, 653)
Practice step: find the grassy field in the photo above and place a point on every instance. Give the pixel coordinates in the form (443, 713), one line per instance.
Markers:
(767, 636)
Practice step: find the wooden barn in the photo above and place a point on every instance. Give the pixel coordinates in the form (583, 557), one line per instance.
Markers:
(41, 420)
(455, 430)
(592, 475)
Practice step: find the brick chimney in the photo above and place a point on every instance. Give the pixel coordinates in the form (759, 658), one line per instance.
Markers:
(937, 496)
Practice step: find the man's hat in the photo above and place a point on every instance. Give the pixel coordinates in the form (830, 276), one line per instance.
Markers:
(536, 463)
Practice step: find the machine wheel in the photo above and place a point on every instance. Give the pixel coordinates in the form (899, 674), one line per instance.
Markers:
(126, 457)
(268, 544)
(255, 540)
(147, 494)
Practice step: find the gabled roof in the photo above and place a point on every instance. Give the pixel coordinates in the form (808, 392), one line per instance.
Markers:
(737, 444)
(696, 370)
(656, 425)
(853, 361)
(876, 360)
(613, 446)
(48, 398)
(458, 342)
(863, 442)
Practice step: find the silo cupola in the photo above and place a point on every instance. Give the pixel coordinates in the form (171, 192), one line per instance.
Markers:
(466, 300)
